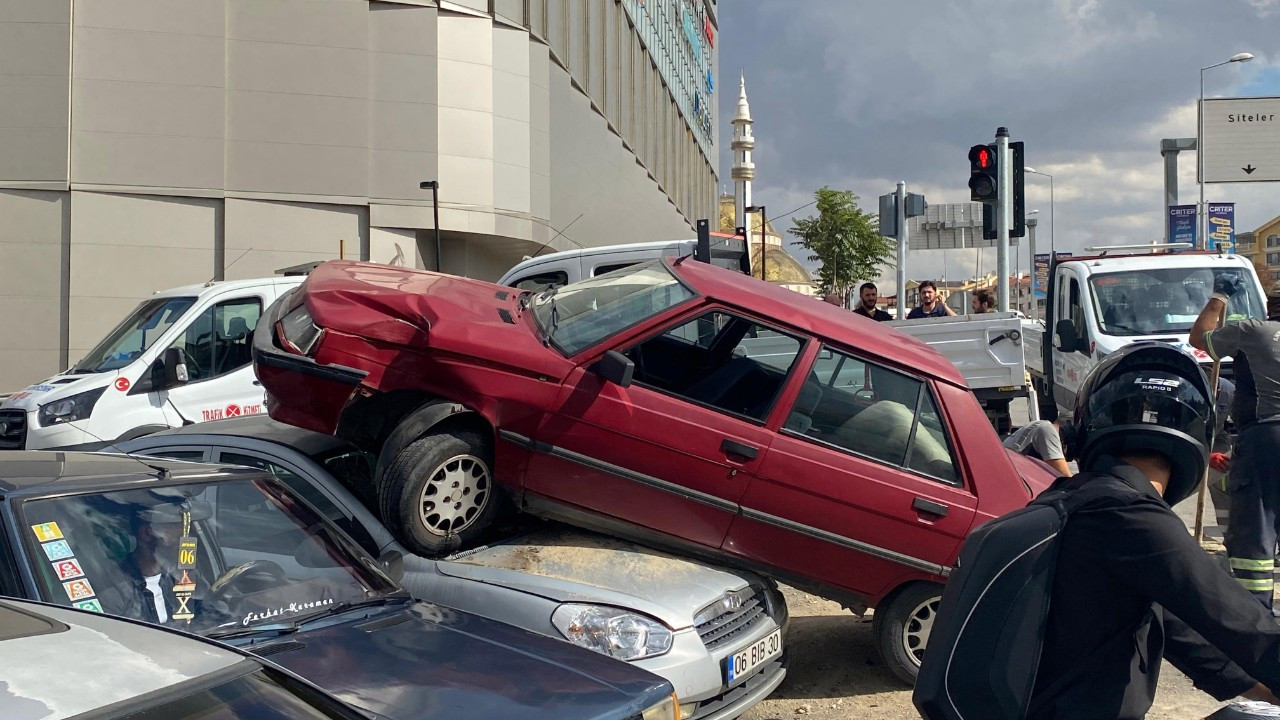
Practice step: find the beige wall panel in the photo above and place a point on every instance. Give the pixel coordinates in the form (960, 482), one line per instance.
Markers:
(301, 69)
(194, 17)
(393, 246)
(511, 187)
(267, 236)
(404, 126)
(34, 39)
(465, 38)
(91, 319)
(465, 85)
(20, 368)
(35, 11)
(30, 269)
(300, 119)
(511, 96)
(301, 169)
(33, 102)
(511, 50)
(404, 78)
(148, 109)
(148, 221)
(465, 180)
(402, 29)
(150, 57)
(33, 321)
(33, 154)
(511, 142)
(30, 281)
(327, 23)
(466, 133)
(30, 48)
(146, 160)
(397, 174)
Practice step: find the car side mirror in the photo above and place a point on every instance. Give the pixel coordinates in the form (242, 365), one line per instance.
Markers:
(173, 369)
(1068, 341)
(615, 368)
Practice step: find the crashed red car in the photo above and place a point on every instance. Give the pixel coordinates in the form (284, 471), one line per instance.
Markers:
(671, 402)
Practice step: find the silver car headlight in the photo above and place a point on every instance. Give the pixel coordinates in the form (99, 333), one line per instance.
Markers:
(69, 409)
(618, 633)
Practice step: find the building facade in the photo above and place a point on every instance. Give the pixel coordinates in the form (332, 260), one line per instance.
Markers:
(146, 144)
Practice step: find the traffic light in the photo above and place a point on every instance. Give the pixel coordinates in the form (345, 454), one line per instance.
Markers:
(1019, 228)
(984, 174)
(988, 221)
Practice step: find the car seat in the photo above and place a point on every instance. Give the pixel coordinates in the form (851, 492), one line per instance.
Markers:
(801, 418)
(234, 346)
(883, 430)
(739, 386)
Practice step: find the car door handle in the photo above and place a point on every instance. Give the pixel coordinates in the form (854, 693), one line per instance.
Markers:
(733, 447)
(929, 506)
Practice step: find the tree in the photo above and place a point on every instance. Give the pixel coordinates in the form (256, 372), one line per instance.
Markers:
(845, 240)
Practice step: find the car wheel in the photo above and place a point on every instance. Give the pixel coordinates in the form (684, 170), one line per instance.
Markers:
(437, 495)
(902, 628)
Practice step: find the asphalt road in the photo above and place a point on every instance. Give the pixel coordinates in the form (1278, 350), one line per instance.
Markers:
(836, 672)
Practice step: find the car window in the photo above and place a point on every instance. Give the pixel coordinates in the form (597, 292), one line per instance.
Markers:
(188, 455)
(197, 555)
(720, 360)
(219, 340)
(873, 411)
(296, 482)
(542, 281)
(602, 269)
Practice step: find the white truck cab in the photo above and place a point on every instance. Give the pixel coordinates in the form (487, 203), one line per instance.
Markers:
(1096, 305)
(183, 356)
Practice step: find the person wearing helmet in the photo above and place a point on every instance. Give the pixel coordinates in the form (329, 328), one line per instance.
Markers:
(1131, 586)
(1254, 482)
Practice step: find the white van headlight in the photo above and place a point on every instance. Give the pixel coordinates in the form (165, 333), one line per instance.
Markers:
(299, 331)
(618, 633)
(69, 409)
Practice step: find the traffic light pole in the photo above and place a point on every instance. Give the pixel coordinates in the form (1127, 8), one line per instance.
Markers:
(901, 212)
(1004, 217)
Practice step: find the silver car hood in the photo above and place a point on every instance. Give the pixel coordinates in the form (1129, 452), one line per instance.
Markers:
(569, 565)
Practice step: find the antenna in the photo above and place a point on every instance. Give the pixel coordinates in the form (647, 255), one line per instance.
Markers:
(162, 472)
(547, 244)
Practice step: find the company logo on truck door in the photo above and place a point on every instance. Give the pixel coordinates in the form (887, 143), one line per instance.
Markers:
(232, 410)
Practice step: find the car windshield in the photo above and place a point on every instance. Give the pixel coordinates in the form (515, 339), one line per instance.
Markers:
(132, 337)
(1165, 300)
(212, 558)
(578, 315)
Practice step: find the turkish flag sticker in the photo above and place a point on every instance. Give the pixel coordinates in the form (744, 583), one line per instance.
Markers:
(122, 384)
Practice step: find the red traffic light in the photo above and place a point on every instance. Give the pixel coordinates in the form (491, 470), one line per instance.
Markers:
(981, 157)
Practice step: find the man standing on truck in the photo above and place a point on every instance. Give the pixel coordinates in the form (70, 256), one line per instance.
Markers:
(868, 293)
(1254, 482)
(983, 301)
(930, 304)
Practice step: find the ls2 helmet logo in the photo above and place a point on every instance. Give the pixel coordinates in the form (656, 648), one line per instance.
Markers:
(1158, 384)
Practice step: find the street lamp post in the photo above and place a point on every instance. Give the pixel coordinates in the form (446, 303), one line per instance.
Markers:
(1201, 225)
(434, 187)
(763, 247)
(1052, 239)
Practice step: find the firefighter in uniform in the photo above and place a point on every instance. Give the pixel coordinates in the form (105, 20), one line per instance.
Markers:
(1254, 482)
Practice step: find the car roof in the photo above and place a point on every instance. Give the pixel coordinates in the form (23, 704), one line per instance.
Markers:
(56, 662)
(262, 427)
(230, 285)
(825, 320)
(26, 470)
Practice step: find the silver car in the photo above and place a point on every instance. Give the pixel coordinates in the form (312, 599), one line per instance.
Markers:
(718, 635)
(58, 663)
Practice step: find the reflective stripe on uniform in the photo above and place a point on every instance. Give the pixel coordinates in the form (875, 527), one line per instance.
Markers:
(1252, 565)
(1256, 585)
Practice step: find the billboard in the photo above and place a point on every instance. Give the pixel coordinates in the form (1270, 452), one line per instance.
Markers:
(1222, 225)
(1182, 224)
(1040, 287)
(1240, 141)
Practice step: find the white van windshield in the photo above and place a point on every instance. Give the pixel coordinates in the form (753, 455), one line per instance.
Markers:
(132, 337)
(1165, 300)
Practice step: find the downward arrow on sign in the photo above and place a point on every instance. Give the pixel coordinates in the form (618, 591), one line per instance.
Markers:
(1248, 169)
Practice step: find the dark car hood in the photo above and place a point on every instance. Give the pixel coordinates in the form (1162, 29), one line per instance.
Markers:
(429, 661)
(417, 308)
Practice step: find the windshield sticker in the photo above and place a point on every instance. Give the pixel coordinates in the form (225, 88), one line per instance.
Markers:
(47, 531)
(57, 550)
(39, 388)
(68, 569)
(78, 589)
(92, 605)
(122, 384)
(284, 609)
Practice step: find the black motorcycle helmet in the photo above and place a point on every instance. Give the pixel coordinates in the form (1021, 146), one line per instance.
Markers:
(1147, 397)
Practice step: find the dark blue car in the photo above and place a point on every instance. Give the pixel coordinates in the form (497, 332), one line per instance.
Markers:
(235, 555)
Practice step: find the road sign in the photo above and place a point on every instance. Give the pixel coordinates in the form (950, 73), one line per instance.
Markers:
(949, 227)
(1241, 140)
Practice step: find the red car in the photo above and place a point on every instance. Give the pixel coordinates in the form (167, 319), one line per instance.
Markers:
(671, 402)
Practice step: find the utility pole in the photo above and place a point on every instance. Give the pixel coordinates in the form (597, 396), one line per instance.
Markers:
(901, 219)
(1004, 217)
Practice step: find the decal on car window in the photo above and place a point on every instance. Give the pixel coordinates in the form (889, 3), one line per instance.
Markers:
(293, 607)
(78, 589)
(57, 550)
(47, 531)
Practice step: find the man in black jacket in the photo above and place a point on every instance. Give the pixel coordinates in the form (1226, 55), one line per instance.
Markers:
(1131, 586)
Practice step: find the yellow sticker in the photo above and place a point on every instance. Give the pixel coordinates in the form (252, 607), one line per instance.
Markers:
(47, 531)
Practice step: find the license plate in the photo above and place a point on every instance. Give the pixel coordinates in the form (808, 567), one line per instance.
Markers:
(744, 662)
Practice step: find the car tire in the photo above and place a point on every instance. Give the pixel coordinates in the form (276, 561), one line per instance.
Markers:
(437, 494)
(902, 627)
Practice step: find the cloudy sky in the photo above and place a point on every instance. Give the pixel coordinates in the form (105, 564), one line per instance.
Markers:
(859, 94)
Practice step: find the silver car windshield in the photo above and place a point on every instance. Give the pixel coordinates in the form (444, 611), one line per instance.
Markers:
(135, 335)
(1165, 300)
(578, 315)
(210, 558)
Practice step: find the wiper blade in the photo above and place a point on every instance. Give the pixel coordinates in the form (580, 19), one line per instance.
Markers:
(339, 608)
(235, 632)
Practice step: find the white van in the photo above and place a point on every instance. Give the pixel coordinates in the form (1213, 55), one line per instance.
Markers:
(183, 356)
(561, 268)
